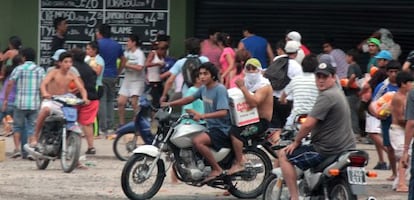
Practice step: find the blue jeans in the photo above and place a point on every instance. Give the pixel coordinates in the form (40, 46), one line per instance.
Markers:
(106, 104)
(24, 123)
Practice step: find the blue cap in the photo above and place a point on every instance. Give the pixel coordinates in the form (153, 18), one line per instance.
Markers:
(384, 54)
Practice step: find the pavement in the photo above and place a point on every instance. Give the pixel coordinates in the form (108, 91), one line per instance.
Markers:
(378, 187)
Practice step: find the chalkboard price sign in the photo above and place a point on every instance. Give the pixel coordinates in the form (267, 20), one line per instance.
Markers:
(142, 17)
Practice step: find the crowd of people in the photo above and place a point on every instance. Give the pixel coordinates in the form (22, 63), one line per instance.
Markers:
(345, 102)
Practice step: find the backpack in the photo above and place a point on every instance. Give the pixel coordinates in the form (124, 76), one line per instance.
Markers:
(190, 70)
(277, 73)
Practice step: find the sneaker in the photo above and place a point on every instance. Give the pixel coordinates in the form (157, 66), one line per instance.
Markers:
(16, 154)
(91, 151)
(381, 166)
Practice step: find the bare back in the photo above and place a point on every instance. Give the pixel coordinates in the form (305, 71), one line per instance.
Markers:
(398, 109)
(265, 107)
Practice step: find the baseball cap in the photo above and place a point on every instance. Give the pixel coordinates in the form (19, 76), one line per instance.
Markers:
(325, 68)
(292, 46)
(254, 62)
(57, 53)
(294, 35)
(374, 40)
(384, 54)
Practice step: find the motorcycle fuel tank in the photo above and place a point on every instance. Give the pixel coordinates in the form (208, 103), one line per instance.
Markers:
(184, 133)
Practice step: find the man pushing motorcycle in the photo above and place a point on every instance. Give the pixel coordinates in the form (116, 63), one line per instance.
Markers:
(258, 93)
(330, 123)
(216, 107)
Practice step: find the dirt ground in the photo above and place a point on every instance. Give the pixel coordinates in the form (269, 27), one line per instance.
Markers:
(21, 180)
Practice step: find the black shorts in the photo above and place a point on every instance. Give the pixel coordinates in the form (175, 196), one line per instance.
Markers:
(244, 133)
(218, 138)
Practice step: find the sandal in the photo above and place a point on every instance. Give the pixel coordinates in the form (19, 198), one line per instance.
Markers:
(91, 151)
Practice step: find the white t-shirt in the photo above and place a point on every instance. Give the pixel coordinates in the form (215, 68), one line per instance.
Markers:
(137, 58)
(153, 73)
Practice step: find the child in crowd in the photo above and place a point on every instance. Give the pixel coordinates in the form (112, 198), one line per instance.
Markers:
(6, 113)
(397, 129)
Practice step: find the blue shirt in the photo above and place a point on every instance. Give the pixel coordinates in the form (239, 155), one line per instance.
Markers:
(215, 99)
(196, 105)
(110, 51)
(257, 46)
(382, 88)
(177, 68)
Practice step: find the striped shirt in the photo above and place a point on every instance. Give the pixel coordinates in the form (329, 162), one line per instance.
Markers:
(27, 77)
(304, 91)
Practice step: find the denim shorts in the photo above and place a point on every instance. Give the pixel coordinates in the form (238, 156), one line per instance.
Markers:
(305, 157)
(24, 120)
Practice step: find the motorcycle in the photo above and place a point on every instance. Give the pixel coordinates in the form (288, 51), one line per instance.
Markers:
(341, 176)
(144, 172)
(135, 133)
(60, 136)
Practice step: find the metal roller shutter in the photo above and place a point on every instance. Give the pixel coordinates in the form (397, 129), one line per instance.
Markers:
(348, 21)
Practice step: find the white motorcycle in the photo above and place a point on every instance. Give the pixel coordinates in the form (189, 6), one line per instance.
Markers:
(144, 172)
(341, 177)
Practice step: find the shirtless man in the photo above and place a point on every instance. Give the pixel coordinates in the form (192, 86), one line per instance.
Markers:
(397, 129)
(56, 82)
(262, 98)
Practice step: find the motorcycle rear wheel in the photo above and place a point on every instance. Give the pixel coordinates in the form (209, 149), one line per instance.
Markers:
(42, 163)
(124, 144)
(71, 159)
(341, 190)
(241, 187)
(133, 180)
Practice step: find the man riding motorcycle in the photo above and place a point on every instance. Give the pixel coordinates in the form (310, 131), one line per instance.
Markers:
(262, 99)
(331, 128)
(215, 99)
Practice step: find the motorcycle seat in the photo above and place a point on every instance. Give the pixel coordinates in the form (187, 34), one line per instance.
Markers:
(329, 160)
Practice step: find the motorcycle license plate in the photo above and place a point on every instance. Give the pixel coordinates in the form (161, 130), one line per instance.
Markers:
(356, 175)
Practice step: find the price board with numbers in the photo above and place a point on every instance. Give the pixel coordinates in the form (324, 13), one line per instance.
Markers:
(143, 17)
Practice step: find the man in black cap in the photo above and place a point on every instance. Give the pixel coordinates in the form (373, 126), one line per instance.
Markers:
(61, 26)
(330, 122)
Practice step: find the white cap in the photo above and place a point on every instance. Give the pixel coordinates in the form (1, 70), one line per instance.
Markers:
(292, 46)
(295, 36)
(57, 54)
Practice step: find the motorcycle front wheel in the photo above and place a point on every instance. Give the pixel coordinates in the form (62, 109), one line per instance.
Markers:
(341, 190)
(135, 184)
(251, 182)
(124, 144)
(42, 163)
(70, 159)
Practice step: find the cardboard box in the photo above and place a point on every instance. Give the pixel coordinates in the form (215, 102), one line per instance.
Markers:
(240, 112)
(2, 150)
